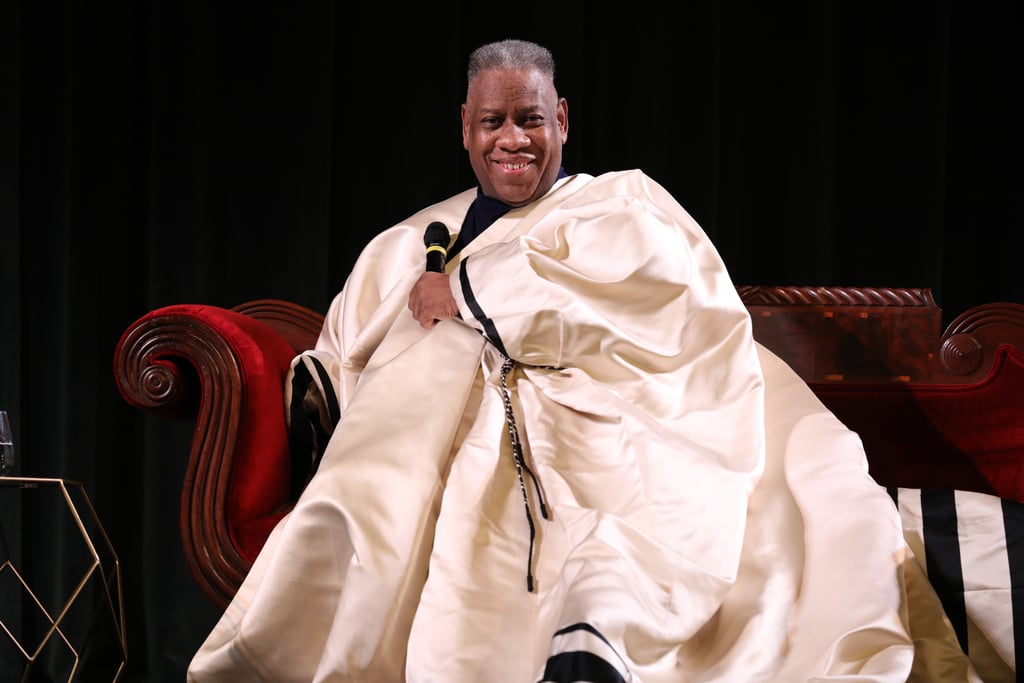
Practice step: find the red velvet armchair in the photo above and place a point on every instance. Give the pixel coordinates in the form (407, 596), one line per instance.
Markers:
(933, 408)
(223, 370)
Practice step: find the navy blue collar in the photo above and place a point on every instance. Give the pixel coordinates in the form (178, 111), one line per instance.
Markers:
(481, 214)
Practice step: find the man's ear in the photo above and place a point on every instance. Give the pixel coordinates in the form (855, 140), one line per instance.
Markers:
(563, 118)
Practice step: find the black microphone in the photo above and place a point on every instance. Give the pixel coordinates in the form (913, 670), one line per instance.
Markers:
(436, 239)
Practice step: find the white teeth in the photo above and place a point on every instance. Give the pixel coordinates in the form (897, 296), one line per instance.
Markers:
(514, 167)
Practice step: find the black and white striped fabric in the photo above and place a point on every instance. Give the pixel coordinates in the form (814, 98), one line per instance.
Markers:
(971, 546)
(312, 412)
(580, 654)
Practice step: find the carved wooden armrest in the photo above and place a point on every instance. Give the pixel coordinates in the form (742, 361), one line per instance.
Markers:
(225, 370)
(879, 334)
(932, 410)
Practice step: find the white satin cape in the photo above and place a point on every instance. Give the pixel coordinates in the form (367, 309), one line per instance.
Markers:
(709, 519)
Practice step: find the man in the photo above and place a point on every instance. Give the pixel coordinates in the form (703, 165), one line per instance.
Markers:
(513, 126)
(551, 463)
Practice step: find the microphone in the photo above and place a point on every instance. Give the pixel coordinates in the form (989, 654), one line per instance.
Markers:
(436, 239)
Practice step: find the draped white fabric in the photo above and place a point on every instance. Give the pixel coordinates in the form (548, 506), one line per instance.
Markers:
(707, 518)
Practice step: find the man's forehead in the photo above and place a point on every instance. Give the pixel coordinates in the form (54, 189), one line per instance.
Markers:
(510, 80)
(512, 109)
(506, 93)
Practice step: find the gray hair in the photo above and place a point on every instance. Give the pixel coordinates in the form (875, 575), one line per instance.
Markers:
(511, 54)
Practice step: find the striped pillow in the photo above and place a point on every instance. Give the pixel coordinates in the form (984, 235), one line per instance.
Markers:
(971, 547)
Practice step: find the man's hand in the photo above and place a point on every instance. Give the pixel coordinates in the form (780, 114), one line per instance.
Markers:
(431, 300)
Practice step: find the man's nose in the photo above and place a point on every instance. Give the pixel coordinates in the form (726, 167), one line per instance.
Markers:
(513, 137)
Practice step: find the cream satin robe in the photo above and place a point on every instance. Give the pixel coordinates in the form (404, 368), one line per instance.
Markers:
(708, 519)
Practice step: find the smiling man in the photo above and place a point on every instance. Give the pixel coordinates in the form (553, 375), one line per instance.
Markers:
(550, 462)
(513, 126)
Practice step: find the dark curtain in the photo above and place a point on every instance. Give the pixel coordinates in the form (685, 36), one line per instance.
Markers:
(159, 152)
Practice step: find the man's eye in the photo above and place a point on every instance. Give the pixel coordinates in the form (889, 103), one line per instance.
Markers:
(534, 120)
(491, 122)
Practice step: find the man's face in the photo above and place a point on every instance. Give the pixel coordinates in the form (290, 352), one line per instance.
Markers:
(513, 126)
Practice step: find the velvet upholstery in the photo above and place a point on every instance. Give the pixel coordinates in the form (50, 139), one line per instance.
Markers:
(224, 370)
(941, 436)
(933, 411)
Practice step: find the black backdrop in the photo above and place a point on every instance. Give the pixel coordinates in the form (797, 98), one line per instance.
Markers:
(221, 151)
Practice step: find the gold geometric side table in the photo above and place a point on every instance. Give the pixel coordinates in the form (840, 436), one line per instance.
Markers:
(73, 632)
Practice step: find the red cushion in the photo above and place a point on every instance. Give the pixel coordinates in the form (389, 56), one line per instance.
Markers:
(954, 436)
(257, 492)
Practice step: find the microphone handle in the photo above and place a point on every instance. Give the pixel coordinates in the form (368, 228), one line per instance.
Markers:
(435, 259)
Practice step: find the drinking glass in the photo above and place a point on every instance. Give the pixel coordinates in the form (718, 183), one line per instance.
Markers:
(6, 445)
